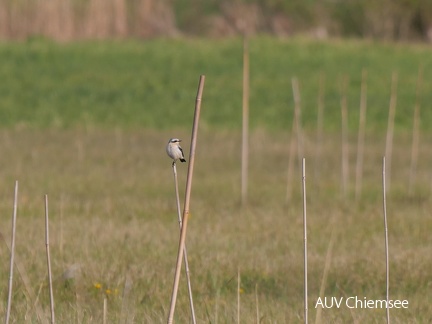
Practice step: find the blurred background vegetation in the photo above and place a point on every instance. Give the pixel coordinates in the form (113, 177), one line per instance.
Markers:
(65, 20)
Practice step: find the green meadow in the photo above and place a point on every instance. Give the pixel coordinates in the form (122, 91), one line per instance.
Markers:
(87, 123)
(152, 84)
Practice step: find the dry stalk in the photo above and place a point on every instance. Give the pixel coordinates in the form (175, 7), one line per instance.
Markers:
(416, 133)
(305, 242)
(297, 117)
(325, 274)
(238, 295)
(191, 303)
(257, 304)
(361, 136)
(319, 133)
(386, 238)
(390, 127)
(49, 261)
(125, 299)
(291, 156)
(185, 217)
(345, 145)
(12, 254)
(245, 123)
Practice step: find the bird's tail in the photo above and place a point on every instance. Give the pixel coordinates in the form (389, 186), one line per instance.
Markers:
(183, 160)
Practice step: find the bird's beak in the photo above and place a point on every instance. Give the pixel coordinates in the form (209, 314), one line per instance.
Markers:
(180, 140)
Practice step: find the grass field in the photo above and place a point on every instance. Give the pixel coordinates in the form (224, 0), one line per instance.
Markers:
(87, 124)
(152, 84)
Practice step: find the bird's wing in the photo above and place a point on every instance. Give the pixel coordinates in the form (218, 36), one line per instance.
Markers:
(181, 150)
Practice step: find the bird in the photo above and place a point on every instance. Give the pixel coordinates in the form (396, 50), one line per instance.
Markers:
(174, 150)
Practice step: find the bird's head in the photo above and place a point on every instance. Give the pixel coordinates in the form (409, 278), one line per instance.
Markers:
(174, 140)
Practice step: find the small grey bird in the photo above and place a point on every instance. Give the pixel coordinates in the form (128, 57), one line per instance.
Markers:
(174, 150)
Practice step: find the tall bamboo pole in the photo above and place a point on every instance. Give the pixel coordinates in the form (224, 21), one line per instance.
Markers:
(186, 211)
(185, 257)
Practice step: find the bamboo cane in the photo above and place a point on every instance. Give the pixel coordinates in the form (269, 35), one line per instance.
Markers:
(185, 217)
(191, 303)
(305, 242)
(12, 255)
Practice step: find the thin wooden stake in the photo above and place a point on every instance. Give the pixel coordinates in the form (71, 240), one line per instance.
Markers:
(185, 217)
(297, 117)
(105, 310)
(245, 123)
(345, 145)
(361, 136)
(191, 303)
(49, 261)
(61, 226)
(386, 239)
(305, 242)
(319, 133)
(12, 256)
(238, 295)
(257, 304)
(291, 157)
(416, 133)
(390, 127)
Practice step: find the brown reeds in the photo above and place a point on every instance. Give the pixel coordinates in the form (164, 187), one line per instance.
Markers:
(50, 285)
(67, 20)
(12, 253)
(186, 210)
